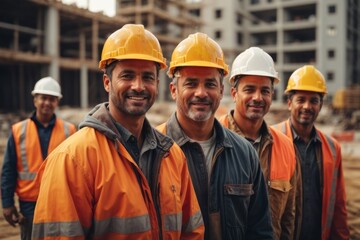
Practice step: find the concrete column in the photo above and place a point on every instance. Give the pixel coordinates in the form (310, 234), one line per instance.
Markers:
(95, 40)
(280, 53)
(84, 102)
(52, 34)
(163, 84)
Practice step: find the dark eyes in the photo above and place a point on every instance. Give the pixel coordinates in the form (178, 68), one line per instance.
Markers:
(132, 76)
(194, 84)
(252, 90)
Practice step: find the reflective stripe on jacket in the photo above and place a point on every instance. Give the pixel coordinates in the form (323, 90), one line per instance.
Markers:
(93, 189)
(28, 152)
(277, 158)
(334, 215)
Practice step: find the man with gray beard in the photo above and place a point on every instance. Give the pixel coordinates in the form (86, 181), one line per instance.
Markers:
(224, 167)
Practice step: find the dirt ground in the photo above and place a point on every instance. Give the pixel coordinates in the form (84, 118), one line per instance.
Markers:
(160, 112)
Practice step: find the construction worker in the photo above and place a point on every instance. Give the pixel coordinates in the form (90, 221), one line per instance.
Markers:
(224, 167)
(30, 141)
(324, 214)
(117, 177)
(252, 79)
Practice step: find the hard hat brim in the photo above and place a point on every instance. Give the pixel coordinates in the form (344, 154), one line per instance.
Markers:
(45, 92)
(255, 73)
(305, 88)
(196, 64)
(103, 63)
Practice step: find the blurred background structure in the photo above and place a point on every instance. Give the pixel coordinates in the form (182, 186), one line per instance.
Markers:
(49, 37)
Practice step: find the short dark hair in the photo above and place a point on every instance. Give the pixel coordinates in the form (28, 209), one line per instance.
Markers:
(291, 93)
(177, 69)
(238, 77)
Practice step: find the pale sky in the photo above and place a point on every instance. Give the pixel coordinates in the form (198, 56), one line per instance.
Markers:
(108, 6)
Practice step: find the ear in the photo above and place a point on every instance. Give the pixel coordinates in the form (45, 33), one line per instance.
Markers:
(157, 87)
(289, 103)
(233, 93)
(222, 90)
(172, 90)
(106, 82)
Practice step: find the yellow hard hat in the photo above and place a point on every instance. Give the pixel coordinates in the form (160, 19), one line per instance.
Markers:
(198, 50)
(307, 78)
(132, 41)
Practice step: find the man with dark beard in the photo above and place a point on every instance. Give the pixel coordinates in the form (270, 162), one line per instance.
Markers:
(119, 178)
(253, 76)
(224, 167)
(324, 214)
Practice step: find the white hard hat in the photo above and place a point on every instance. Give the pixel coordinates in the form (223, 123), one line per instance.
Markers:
(47, 86)
(253, 61)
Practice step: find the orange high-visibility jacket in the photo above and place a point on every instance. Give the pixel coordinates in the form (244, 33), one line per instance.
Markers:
(280, 176)
(28, 152)
(91, 187)
(334, 215)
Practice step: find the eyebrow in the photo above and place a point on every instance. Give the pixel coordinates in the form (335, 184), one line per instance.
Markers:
(126, 71)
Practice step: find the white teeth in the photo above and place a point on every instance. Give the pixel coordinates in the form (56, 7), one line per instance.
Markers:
(137, 98)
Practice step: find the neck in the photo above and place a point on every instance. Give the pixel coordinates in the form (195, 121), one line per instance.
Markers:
(199, 131)
(133, 124)
(303, 131)
(249, 127)
(43, 119)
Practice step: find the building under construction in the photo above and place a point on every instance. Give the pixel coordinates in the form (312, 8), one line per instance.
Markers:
(48, 38)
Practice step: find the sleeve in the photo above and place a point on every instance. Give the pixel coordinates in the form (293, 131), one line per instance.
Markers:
(9, 174)
(339, 227)
(193, 225)
(259, 219)
(64, 206)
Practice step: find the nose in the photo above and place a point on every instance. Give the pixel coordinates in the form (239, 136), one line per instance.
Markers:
(306, 104)
(200, 91)
(257, 95)
(138, 84)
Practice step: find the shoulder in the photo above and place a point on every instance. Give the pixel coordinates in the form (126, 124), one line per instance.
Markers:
(18, 124)
(328, 139)
(280, 136)
(236, 141)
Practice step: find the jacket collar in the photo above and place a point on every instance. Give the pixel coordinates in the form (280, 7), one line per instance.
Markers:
(264, 129)
(175, 131)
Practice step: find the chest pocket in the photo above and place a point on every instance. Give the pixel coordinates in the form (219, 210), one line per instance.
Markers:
(278, 195)
(236, 204)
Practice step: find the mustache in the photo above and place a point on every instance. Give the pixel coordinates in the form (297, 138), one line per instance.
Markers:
(201, 100)
(133, 93)
(256, 104)
(307, 111)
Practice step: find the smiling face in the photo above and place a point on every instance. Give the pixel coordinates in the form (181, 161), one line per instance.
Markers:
(45, 105)
(304, 107)
(252, 96)
(197, 92)
(132, 89)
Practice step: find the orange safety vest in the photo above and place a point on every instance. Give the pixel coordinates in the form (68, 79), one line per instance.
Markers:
(28, 152)
(283, 163)
(101, 192)
(334, 215)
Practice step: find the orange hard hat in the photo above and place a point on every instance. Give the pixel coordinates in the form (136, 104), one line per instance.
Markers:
(132, 41)
(198, 50)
